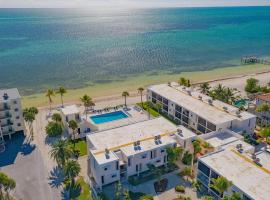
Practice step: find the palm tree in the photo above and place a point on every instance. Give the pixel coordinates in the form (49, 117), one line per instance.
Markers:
(263, 108)
(71, 171)
(61, 90)
(205, 88)
(221, 184)
(61, 152)
(140, 90)
(125, 94)
(87, 101)
(29, 115)
(73, 125)
(183, 81)
(56, 117)
(7, 184)
(50, 94)
(158, 107)
(173, 154)
(265, 133)
(228, 95)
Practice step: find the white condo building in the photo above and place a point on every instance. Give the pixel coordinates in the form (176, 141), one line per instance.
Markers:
(11, 119)
(121, 152)
(238, 162)
(199, 112)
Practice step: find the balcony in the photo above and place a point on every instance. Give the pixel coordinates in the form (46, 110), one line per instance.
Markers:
(8, 131)
(6, 116)
(4, 108)
(6, 124)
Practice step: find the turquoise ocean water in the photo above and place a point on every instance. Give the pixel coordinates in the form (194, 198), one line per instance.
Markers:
(75, 47)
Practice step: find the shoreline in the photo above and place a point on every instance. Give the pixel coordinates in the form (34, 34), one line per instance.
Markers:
(112, 91)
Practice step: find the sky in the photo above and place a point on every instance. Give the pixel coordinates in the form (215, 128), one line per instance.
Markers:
(127, 3)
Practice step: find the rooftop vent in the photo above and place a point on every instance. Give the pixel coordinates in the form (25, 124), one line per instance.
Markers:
(5, 96)
(189, 92)
(238, 113)
(107, 153)
(169, 84)
(137, 145)
(225, 108)
(158, 139)
(210, 101)
(200, 97)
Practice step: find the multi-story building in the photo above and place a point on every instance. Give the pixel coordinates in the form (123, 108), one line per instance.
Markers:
(237, 161)
(199, 112)
(263, 99)
(11, 119)
(121, 152)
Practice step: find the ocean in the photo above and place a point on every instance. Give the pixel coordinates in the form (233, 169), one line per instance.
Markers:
(42, 48)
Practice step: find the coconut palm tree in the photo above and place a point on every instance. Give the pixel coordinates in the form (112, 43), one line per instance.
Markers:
(263, 108)
(140, 90)
(61, 90)
(205, 88)
(50, 93)
(183, 81)
(61, 152)
(221, 184)
(29, 115)
(7, 184)
(87, 101)
(56, 117)
(73, 125)
(71, 171)
(125, 94)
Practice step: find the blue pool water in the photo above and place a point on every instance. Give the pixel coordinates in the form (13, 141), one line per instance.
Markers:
(108, 117)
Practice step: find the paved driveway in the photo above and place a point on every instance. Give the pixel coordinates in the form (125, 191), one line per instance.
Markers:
(23, 162)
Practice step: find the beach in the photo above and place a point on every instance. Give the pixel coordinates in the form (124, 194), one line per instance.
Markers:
(109, 94)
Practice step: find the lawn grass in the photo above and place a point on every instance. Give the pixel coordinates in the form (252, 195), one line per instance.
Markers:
(147, 108)
(85, 190)
(80, 146)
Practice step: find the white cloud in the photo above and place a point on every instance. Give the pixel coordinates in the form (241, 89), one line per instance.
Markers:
(129, 3)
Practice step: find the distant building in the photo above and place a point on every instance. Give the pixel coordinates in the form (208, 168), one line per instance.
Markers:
(125, 151)
(72, 112)
(237, 161)
(11, 118)
(261, 99)
(199, 112)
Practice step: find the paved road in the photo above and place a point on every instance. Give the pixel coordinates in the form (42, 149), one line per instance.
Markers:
(23, 162)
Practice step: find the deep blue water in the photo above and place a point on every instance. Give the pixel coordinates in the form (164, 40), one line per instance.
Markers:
(73, 47)
(108, 117)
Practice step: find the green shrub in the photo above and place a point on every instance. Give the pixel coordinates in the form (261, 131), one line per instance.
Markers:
(181, 197)
(180, 188)
(146, 197)
(187, 158)
(54, 129)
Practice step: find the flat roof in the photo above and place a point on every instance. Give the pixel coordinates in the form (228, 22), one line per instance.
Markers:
(264, 97)
(69, 110)
(214, 113)
(12, 93)
(242, 171)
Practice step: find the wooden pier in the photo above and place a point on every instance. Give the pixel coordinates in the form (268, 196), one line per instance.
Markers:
(253, 60)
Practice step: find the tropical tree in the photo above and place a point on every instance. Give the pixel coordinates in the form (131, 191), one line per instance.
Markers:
(197, 147)
(125, 94)
(72, 124)
(87, 102)
(229, 95)
(50, 93)
(265, 133)
(29, 115)
(61, 152)
(173, 154)
(205, 88)
(187, 171)
(252, 85)
(221, 184)
(118, 190)
(71, 171)
(54, 129)
(61, 90)
(263, 108)
(127, 195)
(140, 90)
(56, 117)
(234, 196)
(6, 185)
(158, 107)
(184, 82)
(208, 198)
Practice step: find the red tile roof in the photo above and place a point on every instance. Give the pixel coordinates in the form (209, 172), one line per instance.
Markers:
(264, 97)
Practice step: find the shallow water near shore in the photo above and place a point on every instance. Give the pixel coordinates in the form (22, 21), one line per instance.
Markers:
(42, 48)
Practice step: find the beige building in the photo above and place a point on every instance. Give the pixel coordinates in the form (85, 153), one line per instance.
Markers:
(11, 118)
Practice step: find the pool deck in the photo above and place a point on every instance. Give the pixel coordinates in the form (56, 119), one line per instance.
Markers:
(134, 116)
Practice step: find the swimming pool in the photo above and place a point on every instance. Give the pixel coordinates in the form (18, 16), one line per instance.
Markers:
(241, 102)
(108, 117)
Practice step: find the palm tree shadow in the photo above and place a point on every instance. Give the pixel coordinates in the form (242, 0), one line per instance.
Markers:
(27, 148)
(75, 191)
(56, 178)
(51, 140)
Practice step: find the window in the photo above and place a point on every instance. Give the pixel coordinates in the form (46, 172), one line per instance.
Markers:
(214, 174)
(201, 121)
(140, 167)
(102, 179)
(14, 102)
(19, 124)
(114, 175)
(162, 150)
(17, 117)
(178, 115)
(203, 168)
(211, 126)
(144, 156)
(105, 168)
(154, 95)
(117, 165)
(155, 153)
(165, 108)
(201, 128)
(66, 118)
(159, 98)
(129, 162)
(151, 154)
(137, 168)
(178, 108)
(164, 159)
(165, 101)
(154, 100)
(16, 109)
(185, 119)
